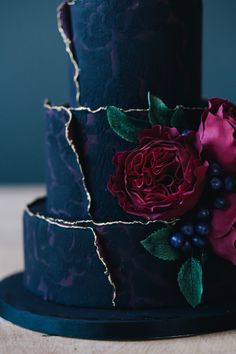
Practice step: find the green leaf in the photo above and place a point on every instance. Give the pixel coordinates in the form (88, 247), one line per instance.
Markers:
(190, 281)
(125, 126)
(157, 244)
(178, 119)
(159, 113)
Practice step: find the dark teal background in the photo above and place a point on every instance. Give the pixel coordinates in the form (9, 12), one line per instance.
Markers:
(33, 66)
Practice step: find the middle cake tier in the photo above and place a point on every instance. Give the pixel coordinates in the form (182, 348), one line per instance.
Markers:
(100, 167)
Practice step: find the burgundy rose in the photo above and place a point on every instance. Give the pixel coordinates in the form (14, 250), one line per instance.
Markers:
(161, 179)
(223, 230)
(217, 134)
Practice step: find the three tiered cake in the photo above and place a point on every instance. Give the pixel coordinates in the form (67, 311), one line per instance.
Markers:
(136, 236)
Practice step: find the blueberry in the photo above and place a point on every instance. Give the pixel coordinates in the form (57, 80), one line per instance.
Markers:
(186, 132)
(216, 183)
(187, 229)
(202, 228)
(215, 170)
(187, 247)
(198, 242)
(229, 184)
(203, 213)
(220, 203)
(177, 240)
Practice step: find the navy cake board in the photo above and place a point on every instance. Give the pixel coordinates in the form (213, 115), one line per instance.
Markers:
(24, 309)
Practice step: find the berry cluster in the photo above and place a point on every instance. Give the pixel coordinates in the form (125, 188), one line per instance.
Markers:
(219, 184)
(192, 233)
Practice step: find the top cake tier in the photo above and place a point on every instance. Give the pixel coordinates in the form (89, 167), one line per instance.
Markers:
(121, 49)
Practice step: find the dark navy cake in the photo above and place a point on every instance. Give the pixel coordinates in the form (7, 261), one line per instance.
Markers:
(138, 182)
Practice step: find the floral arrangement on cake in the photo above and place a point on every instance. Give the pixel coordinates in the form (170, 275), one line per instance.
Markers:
(182, 172)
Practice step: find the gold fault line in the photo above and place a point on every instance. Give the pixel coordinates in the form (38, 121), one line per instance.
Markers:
(76, 224)
(48, 105)
(68, 43)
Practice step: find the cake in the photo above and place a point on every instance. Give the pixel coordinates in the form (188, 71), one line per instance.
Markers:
(135, 238)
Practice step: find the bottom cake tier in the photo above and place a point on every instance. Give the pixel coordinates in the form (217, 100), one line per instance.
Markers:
(104, 266)
(27, 310)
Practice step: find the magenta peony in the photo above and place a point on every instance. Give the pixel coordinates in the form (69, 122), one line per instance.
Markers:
(217, 133)
(163, 178)
(223, 232)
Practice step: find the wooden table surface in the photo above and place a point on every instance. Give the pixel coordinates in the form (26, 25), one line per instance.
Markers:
(15, 340)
